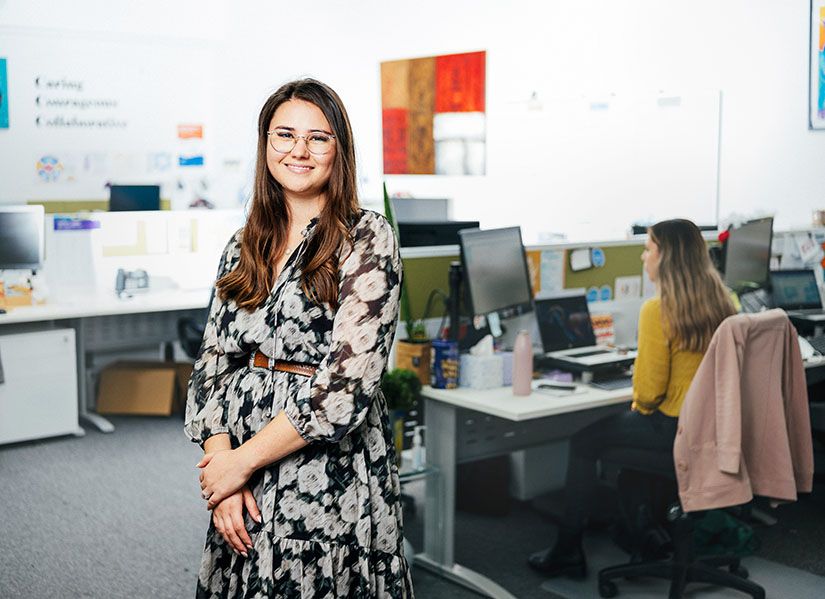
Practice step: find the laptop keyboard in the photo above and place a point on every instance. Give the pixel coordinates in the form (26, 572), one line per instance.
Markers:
(818, 343)
(620, 382)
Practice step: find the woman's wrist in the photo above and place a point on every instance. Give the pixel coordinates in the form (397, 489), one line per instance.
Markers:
(249, 459)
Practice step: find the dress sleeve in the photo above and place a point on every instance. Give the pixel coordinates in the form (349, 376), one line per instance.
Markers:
(336, 399)
(205, 406)
(651, 371)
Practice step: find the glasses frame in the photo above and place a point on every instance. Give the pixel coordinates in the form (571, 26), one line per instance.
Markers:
(295, 143)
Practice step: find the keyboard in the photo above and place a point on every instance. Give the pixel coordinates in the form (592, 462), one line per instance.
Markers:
(818, 343)
(620, 382)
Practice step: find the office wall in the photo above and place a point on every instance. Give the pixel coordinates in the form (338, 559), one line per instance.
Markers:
(754, 51)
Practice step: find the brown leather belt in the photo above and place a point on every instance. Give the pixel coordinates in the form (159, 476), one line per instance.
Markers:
(261, 360)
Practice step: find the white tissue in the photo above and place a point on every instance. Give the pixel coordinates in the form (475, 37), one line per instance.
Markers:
(484, 347)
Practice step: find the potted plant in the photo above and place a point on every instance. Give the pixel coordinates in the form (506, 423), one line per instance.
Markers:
(402, 390)
(413, 353)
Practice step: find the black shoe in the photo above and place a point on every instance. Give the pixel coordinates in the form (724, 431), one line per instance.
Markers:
(554, 562)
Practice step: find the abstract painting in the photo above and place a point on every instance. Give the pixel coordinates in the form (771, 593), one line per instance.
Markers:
(433, 115)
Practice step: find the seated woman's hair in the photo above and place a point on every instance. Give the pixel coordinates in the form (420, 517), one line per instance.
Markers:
(694, 299)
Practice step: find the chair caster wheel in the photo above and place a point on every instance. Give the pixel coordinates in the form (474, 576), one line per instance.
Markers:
(740, 571)
(608, 589)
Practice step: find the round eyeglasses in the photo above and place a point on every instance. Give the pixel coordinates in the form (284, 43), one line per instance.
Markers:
(284, 140)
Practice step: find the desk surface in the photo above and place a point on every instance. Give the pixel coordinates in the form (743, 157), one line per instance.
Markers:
(85, 307)
(502, 403)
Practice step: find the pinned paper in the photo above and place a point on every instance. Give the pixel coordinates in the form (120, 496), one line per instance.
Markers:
(809, 250)
(580, 259)
(628, 287)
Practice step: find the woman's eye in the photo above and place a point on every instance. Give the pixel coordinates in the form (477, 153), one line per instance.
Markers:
(319, 137)
(284, 135)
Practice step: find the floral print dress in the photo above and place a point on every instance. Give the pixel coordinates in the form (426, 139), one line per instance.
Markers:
(331, 516)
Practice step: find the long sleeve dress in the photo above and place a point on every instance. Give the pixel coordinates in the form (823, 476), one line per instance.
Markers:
(331, 516)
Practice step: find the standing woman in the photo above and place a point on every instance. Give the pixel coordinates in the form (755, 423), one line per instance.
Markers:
(675, 328)
(299, 468)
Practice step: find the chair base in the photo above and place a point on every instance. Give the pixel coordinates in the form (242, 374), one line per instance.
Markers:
(704, 569)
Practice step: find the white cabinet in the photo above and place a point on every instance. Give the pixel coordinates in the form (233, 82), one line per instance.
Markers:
(38, 388)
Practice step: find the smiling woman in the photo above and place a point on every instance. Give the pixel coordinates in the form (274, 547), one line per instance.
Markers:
(299, 467)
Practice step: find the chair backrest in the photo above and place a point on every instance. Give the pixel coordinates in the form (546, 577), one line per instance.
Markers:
(744, 427)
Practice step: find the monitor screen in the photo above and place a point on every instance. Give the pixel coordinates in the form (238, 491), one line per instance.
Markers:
(564, 323)
(495, 269)
(134, 197)
(795, 289)
(748, 255)
(21, 237)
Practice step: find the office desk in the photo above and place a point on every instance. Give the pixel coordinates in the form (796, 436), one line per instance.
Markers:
(465, 425)
(108, 323)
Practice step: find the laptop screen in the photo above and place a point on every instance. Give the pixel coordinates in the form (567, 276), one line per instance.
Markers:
(795, 289)
(564, 323)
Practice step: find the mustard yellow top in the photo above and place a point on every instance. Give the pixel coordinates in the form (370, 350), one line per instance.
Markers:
(662, 373)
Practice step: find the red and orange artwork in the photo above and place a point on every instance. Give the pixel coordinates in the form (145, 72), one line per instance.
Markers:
(433, 115)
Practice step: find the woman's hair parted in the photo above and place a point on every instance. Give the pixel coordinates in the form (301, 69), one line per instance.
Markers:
(265, 233)
(694, 300)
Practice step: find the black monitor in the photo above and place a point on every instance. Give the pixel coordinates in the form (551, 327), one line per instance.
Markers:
(495, 270)
(748, 255)
(21, 237)
(418, 234)
(134, 197)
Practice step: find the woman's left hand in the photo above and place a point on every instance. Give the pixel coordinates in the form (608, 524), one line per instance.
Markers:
(222, 473)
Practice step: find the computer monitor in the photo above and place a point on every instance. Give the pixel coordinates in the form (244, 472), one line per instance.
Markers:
(21, 237)
(420, 210)
(134, 197)
(495, 271)
(748, 255)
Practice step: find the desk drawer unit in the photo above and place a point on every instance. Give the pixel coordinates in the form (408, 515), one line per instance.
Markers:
(38, 385)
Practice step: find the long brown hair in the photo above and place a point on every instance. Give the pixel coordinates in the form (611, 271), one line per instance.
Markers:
(694, 300)
(265, 233)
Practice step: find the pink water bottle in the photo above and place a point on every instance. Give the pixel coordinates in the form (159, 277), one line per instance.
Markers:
(522, 363)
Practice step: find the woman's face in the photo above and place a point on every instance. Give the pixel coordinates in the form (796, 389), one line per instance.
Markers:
(302, 174)
(650, 257)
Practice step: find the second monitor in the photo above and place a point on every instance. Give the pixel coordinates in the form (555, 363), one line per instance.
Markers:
(134, 197)
(495, 271)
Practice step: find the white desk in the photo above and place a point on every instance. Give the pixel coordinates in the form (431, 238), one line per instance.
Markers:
(108, 323)
(465, 425)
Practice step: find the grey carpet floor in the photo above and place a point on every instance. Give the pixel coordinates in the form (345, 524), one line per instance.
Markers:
(119, 515)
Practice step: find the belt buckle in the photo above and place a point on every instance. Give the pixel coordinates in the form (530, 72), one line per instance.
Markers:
(271, 363)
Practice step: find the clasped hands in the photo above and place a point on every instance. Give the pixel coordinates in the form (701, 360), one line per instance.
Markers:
(223, 473)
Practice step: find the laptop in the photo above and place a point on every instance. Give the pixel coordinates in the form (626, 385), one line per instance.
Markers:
(797, 292)
(568, 339)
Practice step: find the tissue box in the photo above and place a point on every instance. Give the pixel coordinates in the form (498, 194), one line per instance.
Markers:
(481, 372)
(507, 375)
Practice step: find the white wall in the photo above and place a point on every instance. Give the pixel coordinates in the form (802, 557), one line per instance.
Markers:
(754, 51)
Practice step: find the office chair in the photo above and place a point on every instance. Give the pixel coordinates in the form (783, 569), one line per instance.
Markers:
(683, 566)
(753, 366)
(190, 331)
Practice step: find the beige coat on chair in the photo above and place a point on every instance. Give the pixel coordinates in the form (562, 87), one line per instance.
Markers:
(744, 428)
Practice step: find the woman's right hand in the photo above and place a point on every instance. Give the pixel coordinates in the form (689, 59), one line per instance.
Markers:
(229, 522)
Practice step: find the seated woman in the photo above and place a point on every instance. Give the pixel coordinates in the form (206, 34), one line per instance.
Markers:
(675, 328)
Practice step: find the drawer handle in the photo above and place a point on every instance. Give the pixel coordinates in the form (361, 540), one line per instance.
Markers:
(2, 376)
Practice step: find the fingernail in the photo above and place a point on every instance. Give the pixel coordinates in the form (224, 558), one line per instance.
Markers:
(243, 553)
(248, 546)
(258, 518)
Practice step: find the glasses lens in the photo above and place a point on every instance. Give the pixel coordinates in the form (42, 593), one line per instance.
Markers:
(319, 143)
(282, 141)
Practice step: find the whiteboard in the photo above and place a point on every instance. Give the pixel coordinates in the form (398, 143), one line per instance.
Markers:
(86, 110)
(598, 166)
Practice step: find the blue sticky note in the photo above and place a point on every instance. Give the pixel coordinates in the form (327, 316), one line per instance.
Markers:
(605, 293)
(597, 257)
(593, 294)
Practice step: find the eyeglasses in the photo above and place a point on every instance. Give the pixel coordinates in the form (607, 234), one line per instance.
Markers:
(284, 140)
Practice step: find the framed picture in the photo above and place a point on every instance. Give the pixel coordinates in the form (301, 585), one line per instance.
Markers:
(816, 100)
